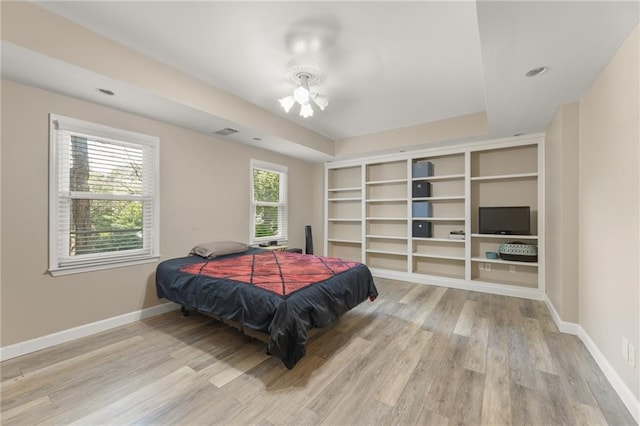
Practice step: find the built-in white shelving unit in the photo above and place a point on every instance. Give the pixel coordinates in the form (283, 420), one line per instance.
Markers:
(397, 213)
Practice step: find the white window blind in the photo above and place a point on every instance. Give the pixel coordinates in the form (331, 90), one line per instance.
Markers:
(268, 202)
(104, 202)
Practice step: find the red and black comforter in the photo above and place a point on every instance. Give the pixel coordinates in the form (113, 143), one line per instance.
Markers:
(281, 294)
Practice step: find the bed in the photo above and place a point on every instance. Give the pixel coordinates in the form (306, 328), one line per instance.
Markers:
(280, 294)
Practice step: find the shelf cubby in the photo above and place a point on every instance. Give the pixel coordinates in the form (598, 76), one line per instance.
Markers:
(519, 274)
(345, 209)
(387, 261)
(344, 178)
(393, 189)
(513, 160)
(484, 243)
(440, 248)
(387, 244)
(345, 250)
(345, 230)
(441, 267)
(444, 165)
(386, 171)
(505, 193)
(390, 209)
(388, 228)
(444, 208)
(442, 228)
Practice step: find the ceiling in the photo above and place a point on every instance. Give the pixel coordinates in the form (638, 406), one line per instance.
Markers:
(387, 65)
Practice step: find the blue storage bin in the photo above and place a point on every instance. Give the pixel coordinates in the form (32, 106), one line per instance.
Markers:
(422, 209)
(422, 168)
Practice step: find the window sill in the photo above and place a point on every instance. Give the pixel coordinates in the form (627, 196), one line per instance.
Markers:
(79, 269)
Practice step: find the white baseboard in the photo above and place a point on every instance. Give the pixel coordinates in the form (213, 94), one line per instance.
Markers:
(33, 345)
(563, 326)
(480, 286)
(626, 395)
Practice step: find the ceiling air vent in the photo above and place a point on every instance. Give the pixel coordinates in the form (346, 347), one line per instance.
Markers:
(226, 131)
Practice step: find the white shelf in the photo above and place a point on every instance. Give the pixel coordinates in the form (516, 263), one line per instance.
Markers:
(439, 219)
(453, 198)
(438, 240)
(354, 188)
(393, 253)
(438, 276)
(390, 219)
(504, 262)
(493, 282)
(444, 177)
(345, 199)
(387, 237)
(383, 182)
(387, 200)
(343, 220)
(337, 240)
(506, 237)
(438, 256)
(505, 177)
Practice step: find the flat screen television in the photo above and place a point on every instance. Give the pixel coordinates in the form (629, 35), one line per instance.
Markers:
(505, 220)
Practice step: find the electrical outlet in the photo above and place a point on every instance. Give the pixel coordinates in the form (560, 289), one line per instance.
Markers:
(481, 266)
(625, 349)
(632, 356)
(487, 267)
(512, 269)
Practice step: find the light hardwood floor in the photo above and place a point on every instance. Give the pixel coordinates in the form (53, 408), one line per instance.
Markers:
(418, 355)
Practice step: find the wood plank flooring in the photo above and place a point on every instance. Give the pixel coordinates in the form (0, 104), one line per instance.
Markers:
(418, 355)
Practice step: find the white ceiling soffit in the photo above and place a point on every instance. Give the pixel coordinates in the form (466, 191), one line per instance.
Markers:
(388, 65)
(575, 39)
(25, 66)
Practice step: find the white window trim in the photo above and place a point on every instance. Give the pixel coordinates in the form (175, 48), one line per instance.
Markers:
(98, 262)
(259, 164)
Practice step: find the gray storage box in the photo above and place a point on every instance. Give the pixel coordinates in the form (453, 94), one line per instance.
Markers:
(422, 209)
(422, 168)
(421, 188)
(422, 229)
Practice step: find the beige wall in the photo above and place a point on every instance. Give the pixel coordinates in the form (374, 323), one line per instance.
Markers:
(561, 212)
(204, 185)
(406, 138)
(607, 150)
(609, 206)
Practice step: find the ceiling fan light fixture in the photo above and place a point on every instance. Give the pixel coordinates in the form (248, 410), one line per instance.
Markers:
(321, 101)
(306, 110)
(303, 77)
(301, 95)
(287, 102)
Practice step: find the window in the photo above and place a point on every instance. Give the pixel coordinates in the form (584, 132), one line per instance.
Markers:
(103, 197)
(268, 202)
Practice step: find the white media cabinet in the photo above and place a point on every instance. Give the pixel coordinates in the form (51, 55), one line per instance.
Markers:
(369, 214)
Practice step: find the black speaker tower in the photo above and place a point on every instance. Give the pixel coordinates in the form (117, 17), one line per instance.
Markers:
(308, 240)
